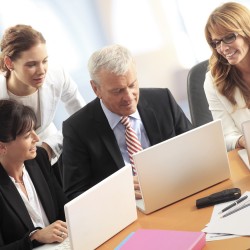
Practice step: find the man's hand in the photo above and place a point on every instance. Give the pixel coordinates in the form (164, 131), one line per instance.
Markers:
(241, 143)
(137, 188)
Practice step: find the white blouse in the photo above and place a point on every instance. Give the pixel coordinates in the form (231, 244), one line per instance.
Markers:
(31, 101)
(32, 203)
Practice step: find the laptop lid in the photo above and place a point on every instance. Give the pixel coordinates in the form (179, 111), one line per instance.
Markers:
(181, 166)
(101, 212)
(245, 153)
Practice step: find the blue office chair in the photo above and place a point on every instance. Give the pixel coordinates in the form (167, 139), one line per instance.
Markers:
(197, 101)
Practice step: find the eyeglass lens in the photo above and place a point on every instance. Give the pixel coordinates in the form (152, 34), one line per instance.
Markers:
(227, 39)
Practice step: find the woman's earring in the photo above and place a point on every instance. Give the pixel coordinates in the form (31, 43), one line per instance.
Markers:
(3, 149)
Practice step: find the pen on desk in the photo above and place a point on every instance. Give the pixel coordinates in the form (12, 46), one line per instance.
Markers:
(246, 204)
(233, 204)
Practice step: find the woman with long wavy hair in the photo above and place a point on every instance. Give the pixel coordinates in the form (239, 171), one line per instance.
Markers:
(227, 84)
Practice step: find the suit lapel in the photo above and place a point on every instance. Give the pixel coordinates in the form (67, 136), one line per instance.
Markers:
(149, 121)
(13, 198)
(102, 126)
(107, 134)
(42, 188)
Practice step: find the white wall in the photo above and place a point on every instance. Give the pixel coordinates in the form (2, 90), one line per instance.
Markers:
(166, 37)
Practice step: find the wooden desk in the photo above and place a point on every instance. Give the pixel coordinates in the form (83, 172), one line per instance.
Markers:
(184, 215)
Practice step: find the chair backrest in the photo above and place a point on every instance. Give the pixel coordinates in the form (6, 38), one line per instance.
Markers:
(198, 105)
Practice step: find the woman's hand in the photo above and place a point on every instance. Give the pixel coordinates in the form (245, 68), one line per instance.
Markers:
(55, 232)
(48, 149)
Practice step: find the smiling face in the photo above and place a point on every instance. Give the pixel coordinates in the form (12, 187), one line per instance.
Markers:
(235, 52)
(22, 148)
(28, 70)
(119, 93)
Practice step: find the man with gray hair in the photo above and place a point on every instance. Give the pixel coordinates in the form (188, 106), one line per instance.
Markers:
(95, 145)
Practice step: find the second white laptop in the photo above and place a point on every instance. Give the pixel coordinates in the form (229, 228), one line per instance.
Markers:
(181, 166)
(245, 153)
(99, 213)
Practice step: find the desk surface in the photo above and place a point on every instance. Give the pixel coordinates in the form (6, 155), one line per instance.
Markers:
(184, 215)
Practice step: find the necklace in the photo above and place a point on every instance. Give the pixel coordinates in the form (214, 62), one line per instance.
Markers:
(19, 177)
(20, 182)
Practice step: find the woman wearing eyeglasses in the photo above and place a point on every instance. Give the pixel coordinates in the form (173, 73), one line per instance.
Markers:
(31, 201)
(227, 83)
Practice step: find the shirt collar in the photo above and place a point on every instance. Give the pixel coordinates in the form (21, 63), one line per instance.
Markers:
(24, 174)
(113, 118)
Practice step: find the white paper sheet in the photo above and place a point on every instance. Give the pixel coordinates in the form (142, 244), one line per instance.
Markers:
(217, 236)
(236, 224)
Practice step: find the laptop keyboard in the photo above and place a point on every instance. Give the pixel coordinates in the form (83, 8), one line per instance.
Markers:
(65, 245)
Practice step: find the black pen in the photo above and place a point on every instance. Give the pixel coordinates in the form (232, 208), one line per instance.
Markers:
(246, 204)
(233, 204)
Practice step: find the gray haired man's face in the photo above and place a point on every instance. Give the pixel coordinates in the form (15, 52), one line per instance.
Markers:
(119, 93)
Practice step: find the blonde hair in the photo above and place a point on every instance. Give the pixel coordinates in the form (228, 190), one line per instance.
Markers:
(230, 17)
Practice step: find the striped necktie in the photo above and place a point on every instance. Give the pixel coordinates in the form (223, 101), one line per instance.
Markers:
(132, 141)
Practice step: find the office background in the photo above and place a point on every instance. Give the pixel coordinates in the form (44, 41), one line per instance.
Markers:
(166, 37)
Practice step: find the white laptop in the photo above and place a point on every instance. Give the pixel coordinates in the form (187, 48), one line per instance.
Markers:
(245, 153)
(100, 212)
(181, 166)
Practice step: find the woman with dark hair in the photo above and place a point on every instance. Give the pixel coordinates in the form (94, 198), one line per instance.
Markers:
(31, 201)
(27, 79)
(227, 84)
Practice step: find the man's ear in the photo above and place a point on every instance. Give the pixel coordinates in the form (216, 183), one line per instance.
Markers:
(8, 62)
(96, 88)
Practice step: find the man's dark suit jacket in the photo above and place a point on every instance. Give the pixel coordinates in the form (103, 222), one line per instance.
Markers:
(15, 222)
(90, 150)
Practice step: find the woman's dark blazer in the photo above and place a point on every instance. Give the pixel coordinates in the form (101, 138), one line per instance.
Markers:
(15, 222)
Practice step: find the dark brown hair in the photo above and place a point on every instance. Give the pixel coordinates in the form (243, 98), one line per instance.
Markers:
(15, 119)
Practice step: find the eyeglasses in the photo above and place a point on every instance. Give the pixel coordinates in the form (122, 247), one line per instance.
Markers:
(227, 40)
